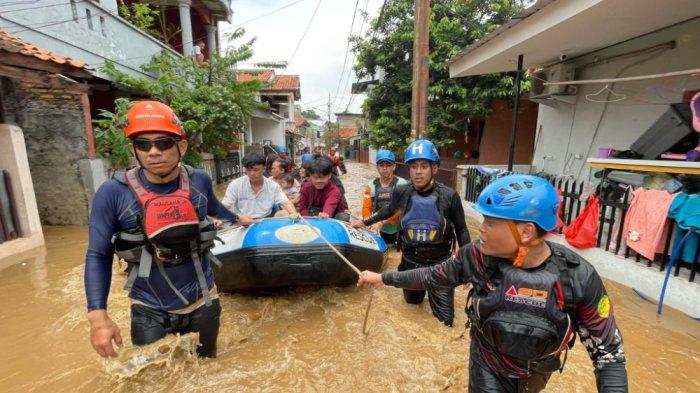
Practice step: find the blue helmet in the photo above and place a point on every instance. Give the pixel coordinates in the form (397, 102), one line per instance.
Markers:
(421, 149)
(307, 157)
(520, 198)
(385, 155)
(281, 148)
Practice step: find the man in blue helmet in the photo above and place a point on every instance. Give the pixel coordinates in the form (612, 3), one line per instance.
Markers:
(377, 194)
(431, 219)
(529, 296)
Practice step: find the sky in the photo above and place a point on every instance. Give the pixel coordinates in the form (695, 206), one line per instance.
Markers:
(319, 59)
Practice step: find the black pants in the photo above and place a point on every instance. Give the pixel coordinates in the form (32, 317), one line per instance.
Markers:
(149, 325)
(483, 379)
(441, 302)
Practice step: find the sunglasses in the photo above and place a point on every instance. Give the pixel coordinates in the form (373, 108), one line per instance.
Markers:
(161, 144)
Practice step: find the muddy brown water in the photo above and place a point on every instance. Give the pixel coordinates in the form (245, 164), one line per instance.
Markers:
(304, 339)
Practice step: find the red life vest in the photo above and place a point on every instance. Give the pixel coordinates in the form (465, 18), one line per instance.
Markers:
(170, 233)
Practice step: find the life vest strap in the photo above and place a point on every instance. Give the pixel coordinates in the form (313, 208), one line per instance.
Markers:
(161, 269)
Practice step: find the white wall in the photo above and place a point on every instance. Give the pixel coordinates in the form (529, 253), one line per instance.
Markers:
(568, 130)
(57, 29)
(263, 129)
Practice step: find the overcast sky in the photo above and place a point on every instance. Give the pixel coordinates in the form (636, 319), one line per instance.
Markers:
(319, 60)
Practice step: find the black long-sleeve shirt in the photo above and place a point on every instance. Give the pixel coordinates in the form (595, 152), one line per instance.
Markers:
(593, 313)
(451, 207)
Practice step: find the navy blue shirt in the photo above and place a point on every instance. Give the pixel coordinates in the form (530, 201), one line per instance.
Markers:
(114, 209)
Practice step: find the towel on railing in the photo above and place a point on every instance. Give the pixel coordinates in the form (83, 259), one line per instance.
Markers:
(645, 224)
(685, 209)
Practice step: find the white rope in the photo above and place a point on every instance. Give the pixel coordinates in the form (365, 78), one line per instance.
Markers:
(353, 267)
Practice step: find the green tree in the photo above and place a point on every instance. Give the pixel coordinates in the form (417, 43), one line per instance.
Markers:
(388, 46)
(211, 103)
(310, 114)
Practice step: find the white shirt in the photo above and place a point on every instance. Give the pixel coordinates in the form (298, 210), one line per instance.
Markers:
(241, 199)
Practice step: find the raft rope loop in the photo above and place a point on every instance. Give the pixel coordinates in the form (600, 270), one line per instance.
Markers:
(347, 262)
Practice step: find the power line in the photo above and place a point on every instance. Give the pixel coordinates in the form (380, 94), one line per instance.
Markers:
(308, 25)
(19, 3)
(354, 56)
(265, 14)
(347, 51)
(39, 6)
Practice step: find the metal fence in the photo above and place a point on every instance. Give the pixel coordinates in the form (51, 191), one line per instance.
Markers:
(614, 203)
(221, 169)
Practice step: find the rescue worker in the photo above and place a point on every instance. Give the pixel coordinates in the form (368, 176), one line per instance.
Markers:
(432, 218)
(377, 194)
(155, 217)
(529, 296)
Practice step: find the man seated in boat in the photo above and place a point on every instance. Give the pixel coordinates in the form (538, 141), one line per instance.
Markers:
(256, 195)
(320, 196)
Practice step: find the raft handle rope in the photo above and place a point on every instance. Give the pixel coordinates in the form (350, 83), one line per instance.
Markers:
(347, 262)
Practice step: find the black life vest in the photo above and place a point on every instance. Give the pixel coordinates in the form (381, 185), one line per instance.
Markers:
(169, 232)
(528, 316)
(382, 195)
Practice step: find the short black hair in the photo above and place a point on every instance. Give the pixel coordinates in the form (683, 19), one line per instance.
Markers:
(285, 164)
(252, 159)
(321, 166)
(288, 178)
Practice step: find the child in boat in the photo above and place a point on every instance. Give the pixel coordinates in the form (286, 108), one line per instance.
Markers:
(320, 196)
(289, 189)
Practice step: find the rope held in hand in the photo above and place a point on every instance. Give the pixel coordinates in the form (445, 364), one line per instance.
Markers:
(347, 262)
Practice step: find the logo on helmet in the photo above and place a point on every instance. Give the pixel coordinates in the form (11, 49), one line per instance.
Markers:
(417, 149)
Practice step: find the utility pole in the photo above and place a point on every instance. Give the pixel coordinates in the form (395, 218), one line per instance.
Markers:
(328, 132)
(421, 53)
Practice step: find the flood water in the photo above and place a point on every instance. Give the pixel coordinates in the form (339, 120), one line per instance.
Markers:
(306, 339)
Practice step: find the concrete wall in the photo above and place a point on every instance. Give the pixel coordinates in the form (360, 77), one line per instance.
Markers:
(570, 131)
(56, 28)
(55, 142)
(13, 158)
(262, 129)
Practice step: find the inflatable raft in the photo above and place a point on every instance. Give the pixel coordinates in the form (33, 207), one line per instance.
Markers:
(280, 252)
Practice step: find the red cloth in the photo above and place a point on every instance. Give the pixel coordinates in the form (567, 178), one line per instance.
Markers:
(646, 221)
(329, 197)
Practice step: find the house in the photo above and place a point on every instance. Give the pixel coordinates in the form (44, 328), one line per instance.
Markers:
(275, 125)
(50, 57)
(607, 75)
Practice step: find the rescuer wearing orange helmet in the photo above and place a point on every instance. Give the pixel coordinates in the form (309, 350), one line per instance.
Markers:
(154, 217)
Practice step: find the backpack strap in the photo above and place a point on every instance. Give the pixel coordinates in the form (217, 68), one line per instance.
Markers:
(562, 261)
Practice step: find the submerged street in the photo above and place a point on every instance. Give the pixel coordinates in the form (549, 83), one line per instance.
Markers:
(302, 339)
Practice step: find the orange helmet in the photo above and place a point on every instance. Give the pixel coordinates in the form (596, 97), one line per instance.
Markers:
(152, 116)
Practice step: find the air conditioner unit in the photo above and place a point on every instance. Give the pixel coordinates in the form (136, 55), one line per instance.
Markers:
(542, 93)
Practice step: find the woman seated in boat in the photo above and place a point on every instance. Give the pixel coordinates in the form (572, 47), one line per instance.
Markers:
(320, 196)
(256, 195)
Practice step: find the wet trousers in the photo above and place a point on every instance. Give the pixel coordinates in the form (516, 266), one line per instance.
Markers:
(149, 325)
(484, 380)
(441, 302)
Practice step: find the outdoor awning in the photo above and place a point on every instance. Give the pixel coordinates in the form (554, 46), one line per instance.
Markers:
(266, 114)
(550, 28)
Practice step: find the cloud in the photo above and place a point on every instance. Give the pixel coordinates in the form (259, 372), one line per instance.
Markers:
(319, 60)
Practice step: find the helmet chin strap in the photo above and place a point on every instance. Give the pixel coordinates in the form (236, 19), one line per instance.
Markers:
(522, 248)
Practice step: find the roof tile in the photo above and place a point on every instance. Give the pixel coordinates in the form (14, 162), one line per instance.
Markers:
(12, 43)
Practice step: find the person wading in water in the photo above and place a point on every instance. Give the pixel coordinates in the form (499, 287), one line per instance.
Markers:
(432, 218)
(377, 194)
(155, 218)
(529, 296)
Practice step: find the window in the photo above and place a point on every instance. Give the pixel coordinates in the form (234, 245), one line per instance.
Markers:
(88, 16)
(102, 26)
(74, 10)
